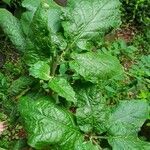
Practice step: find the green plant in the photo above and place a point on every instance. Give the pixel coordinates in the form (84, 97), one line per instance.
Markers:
(137, 11)
(140, 71)
(66, 109)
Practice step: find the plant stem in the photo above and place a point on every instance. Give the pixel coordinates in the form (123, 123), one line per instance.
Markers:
(100, 137)
(55, 60)
(22, 93)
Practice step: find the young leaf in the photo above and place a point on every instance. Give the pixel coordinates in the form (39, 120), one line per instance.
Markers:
(90, 19)
(40, 70)
(48, 124)
(63, 88)
(95, 66)
(12, 28)
(93, 111)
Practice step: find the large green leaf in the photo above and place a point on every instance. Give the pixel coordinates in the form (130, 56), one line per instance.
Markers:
(40, 23)
(32, 6)
(95, 66)
(48, 124)
(90, 19)
(128, 117)
(40, 70)
(128, 143)
(93, 111)
(124, 124)
(63, 88)
(12, 28)
(39, 33)
(26, 18)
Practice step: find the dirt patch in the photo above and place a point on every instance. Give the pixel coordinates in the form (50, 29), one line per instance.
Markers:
(127, 33)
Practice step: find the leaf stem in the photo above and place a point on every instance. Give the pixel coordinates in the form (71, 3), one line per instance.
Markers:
(22, 93)
(55, 61)
(100, 137)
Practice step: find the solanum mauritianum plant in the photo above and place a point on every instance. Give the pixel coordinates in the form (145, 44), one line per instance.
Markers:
(67, 110)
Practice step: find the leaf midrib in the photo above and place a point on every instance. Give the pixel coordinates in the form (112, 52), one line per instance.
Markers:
(57, 121)
(84, 27)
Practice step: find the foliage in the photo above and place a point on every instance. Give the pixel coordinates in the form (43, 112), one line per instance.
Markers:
(136, 10)
(7, 1)
(140, 71)
(62, 96)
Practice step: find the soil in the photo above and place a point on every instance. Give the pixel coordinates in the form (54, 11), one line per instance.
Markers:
(126, 33)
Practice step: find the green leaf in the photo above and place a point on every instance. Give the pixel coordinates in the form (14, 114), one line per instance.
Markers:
(88, 145)
(128, 143)
(128, 117)
(40, 70)
(41, 23)
(54, 22)
(39, 33)
(90, 19)
(19, 85)
(92, 111)
(33, 55)
(7, 1)
(19, 144)
(48, 124)
(95, 66)
(25, 21)
(27, 16)
(2, 148)
(12, 28)
(32, 6)
(124, 124)
(63, 88)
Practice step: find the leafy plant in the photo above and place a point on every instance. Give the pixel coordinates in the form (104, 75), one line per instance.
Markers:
(140, 71)
(66, 110)
(7, 1)
(137, 11)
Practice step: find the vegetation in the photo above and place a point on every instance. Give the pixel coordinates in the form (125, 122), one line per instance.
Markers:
(74, 75)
